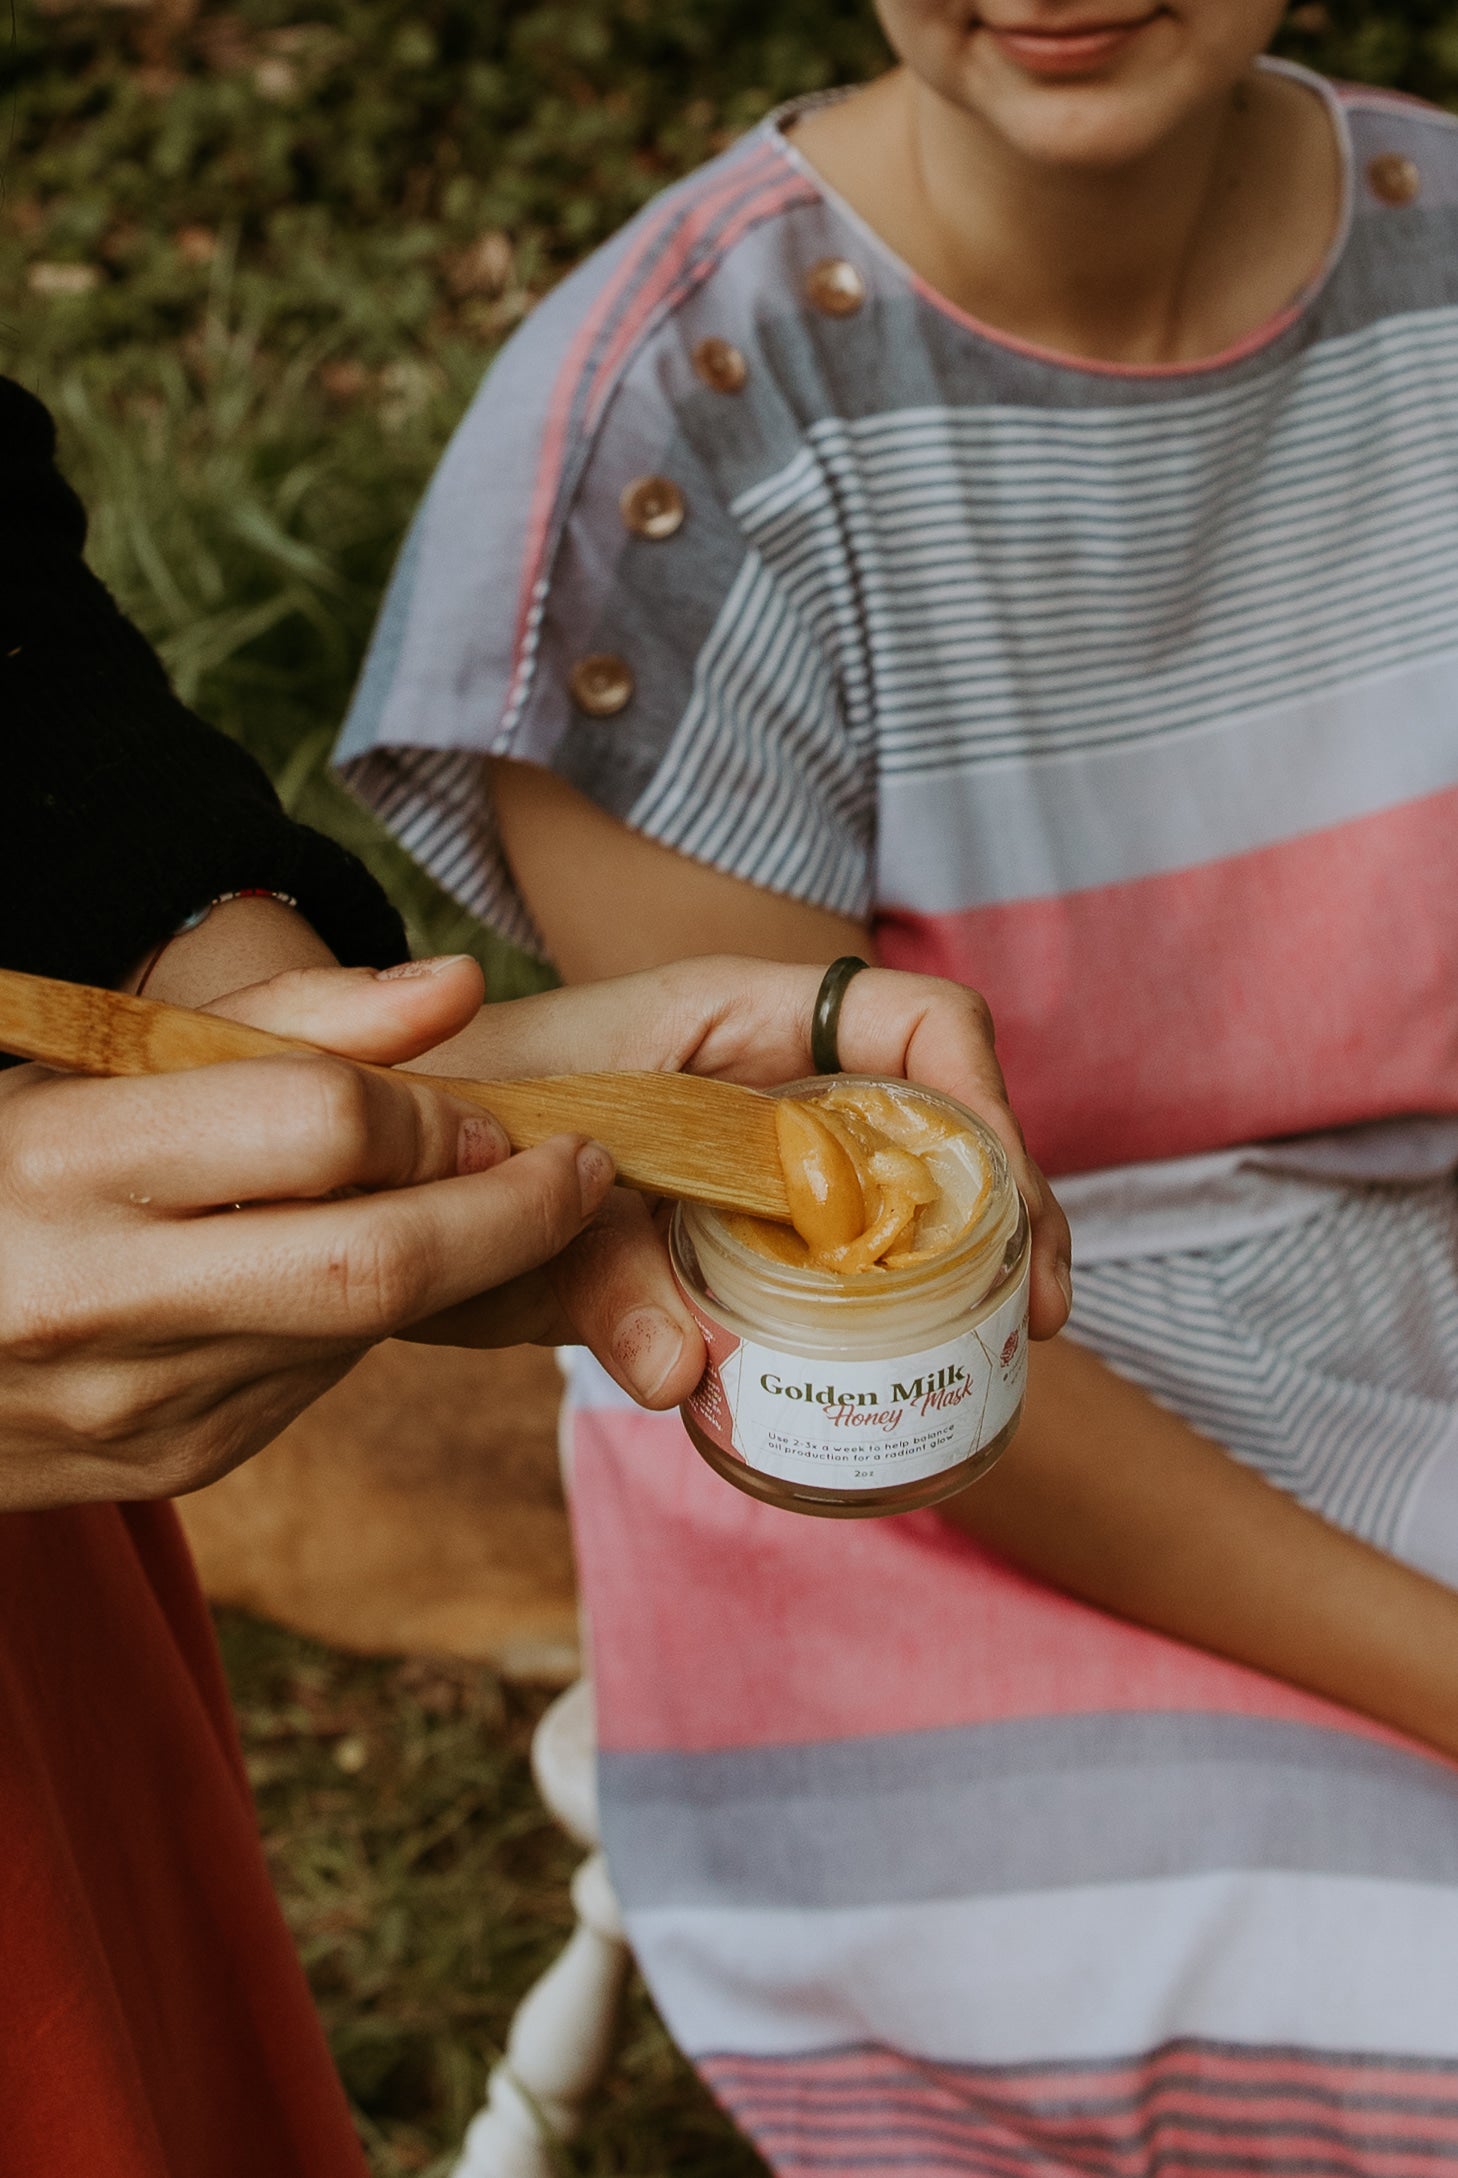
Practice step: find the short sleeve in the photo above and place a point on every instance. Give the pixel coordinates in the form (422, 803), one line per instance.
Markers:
(586, 588)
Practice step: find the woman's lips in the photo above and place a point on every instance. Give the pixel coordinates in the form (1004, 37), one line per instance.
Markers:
(1067, 52)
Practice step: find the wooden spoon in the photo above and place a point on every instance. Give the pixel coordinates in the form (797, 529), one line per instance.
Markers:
(670, 1134)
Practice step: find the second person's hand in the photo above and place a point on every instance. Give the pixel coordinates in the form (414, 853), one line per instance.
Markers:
(748, 1021)
(187, 1260)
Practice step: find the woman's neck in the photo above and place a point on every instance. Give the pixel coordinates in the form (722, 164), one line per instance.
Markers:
(1170, 259)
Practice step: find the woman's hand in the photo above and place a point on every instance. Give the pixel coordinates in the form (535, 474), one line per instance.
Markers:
(632, 909)
(748, 1021)
(741, 1020)
(152, 1334)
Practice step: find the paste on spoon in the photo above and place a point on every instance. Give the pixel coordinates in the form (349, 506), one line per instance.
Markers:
(877, 1179)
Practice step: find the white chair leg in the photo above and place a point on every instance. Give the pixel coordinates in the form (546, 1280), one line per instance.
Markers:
(561, 2037)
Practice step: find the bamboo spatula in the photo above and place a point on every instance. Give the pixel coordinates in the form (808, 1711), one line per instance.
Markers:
(671, 1134)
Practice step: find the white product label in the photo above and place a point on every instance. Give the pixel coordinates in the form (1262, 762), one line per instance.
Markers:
(864, 1425)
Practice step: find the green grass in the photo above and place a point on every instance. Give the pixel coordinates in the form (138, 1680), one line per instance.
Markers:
(294, 233)
(256, 257)
(426, 1890)
(272, 220)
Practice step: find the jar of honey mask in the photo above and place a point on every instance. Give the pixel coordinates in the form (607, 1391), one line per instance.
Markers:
(872, 1358)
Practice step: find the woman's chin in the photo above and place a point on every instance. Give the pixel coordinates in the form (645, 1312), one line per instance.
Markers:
(1079, 127)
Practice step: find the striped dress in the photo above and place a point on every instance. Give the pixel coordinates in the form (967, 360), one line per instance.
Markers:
(1130, 696)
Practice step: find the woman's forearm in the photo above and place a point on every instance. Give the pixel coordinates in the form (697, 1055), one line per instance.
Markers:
(1110, 1497)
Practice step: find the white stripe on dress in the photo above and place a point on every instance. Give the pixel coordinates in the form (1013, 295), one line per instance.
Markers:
(1297, 1961)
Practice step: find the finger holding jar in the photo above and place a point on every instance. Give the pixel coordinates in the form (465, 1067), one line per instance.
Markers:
(941, 1034)
(751, 1021)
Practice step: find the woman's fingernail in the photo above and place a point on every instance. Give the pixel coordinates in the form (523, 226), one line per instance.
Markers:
(595, 1175)
(481, 1144)
(647, 1347)
(1063, 1272)
(407, 970)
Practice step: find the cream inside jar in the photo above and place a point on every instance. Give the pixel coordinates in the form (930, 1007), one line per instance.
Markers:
(878, 1176)
(874, 1359)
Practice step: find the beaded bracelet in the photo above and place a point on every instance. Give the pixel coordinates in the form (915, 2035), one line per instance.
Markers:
(200, 916)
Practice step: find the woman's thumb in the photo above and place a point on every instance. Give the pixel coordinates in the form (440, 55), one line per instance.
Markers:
(384, 1015)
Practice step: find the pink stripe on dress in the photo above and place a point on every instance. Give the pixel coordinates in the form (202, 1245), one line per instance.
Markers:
(1280, 992)
(569, 379)
(776, 194)
(1186, 2105)
(1184, 2065)
(1357, 96)
(753, 1630)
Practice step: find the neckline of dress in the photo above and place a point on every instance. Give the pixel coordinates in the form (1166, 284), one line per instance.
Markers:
(1261, 336)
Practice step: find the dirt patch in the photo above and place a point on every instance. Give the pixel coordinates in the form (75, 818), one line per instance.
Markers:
(415, 1509)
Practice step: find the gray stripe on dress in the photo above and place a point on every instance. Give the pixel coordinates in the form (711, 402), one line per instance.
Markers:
(1020, 830)
(946, 1814)
(1325, 1356)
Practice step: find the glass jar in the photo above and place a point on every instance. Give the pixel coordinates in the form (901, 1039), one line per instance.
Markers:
(875, 1393)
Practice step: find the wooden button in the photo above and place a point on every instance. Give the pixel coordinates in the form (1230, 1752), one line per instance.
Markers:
(835, 287)
(1394, 178)
(720, 365)
(652, 506)
(602, 685)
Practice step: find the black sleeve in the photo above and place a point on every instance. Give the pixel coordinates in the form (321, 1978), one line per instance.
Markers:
(121, 813)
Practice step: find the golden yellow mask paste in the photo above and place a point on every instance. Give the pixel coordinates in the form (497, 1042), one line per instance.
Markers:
(878, 1179)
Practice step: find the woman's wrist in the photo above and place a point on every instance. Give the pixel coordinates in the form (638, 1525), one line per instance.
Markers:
(242, 940)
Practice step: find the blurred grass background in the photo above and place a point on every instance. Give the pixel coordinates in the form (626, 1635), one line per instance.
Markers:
(256, 257)
(426, 1889)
